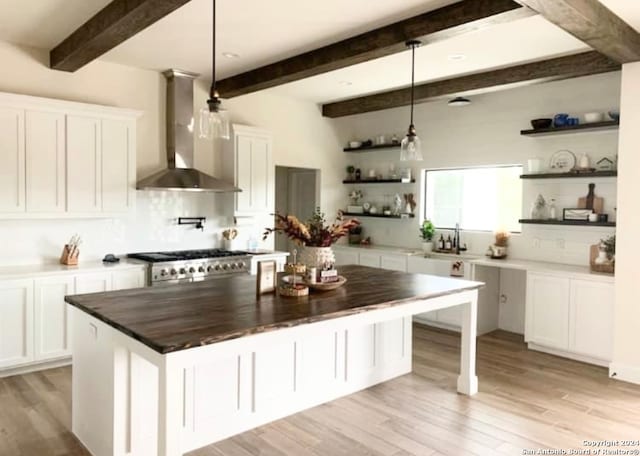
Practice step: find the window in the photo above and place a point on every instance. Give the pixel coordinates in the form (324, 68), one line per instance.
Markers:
(480, 199)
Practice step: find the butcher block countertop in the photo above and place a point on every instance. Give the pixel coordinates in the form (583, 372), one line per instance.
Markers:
(179, 317)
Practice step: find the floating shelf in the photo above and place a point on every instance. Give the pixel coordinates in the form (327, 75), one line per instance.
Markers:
(402, 216)
(569, 175)
(567, 222)
(586, 127)
(372, 147)
(378, 181)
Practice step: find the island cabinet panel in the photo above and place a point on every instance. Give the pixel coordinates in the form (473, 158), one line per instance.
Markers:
(16, 322)
(274, 376)
(52, 338)
(12, 171)
(360, 348)
(45, 162)
(321, 362)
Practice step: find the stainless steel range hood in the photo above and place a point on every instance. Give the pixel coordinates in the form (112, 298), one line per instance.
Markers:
(181, 175)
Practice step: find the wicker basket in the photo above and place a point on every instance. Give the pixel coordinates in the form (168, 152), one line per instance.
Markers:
(606, 268)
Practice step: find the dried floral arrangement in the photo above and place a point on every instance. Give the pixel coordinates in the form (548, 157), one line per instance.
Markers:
(315, 232)
(502, 238)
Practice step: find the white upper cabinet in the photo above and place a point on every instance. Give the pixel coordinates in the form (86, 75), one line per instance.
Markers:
(45, 160)
(12, 171)
(84, 165)
(118, 164)
(61, 158)
(252, 170)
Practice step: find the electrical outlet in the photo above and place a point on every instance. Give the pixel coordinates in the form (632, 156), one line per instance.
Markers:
(536, 243)
(560, 243)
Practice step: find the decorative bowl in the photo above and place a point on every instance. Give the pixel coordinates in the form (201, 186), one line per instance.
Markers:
(592, 117)
(327, 286)
(541, 123)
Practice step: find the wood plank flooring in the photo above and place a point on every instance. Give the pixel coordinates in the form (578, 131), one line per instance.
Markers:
(527, 400)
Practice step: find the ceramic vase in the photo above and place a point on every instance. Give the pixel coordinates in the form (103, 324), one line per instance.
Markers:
(427, 246)
(317, 257)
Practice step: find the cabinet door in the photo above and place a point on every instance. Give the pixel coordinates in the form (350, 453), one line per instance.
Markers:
(118, 165)
(547, 311)
(253, 173)
(16, 322)
(128, 278)
(97, 282)
(345, 257)
(394, 262)
(12, 171)
(84, 173)
(369, 259)
(45, 161)
(52, 317)
(591, 310)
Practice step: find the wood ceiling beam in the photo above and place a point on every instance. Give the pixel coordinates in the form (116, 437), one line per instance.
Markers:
(572, 66)
(452, 20)
(114, 24)
(592, 22)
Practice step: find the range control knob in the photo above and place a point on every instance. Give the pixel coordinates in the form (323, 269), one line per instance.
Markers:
(183, 271)
(241, 264)
(192, 269)
(234, 265)
(225, 266)
(174, 272)
(201, 269)
(209, 268)
(217, 268)
(164, 272)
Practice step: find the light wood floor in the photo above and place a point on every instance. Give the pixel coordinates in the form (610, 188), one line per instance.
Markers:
(526, 400)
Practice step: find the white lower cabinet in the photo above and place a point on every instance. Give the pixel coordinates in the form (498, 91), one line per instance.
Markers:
(394, 262)
(369, 259)
(52, 317)
(547, 311)
(16, 322)
(344, 257)
(35, 319)
(573, 316)
(128, 278)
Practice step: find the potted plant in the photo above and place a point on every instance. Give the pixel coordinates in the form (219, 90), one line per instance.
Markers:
(427, 231)
(351, 170)
(315, 235)
(499, 248)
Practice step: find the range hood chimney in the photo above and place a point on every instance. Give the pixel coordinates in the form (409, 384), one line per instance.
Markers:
(181, 175)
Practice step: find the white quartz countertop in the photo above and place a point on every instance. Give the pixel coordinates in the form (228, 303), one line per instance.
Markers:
(580, 271)
(48, 269)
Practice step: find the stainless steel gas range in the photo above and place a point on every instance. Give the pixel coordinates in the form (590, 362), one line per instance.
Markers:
(167, 268)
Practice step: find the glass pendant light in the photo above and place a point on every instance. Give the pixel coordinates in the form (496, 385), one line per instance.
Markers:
(411, 146)
(214, 120)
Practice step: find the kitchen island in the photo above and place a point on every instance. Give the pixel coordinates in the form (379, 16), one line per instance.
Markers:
(167, 370)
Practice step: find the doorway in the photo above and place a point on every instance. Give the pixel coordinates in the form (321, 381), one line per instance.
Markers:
(297, 193)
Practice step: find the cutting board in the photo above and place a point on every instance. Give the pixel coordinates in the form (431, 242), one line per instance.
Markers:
(591, 201)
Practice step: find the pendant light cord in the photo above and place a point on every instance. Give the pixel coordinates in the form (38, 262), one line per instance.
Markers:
(213, 53)
(413, 74)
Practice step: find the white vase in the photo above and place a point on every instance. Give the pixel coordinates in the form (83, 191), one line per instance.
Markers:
(427, 246)
(316, 257)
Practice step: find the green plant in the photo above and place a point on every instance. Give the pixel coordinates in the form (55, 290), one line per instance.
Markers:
(610, 246)
(427, 230)
(351, 169)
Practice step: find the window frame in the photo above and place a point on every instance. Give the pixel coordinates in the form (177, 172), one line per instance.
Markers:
(463, 168)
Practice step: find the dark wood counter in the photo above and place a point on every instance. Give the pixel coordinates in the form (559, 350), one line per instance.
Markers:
(179, 317)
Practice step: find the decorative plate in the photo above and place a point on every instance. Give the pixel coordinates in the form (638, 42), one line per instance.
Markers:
(327, 286)
(562, 161)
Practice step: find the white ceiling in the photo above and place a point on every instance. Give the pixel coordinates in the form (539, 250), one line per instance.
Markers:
(44, 23)
(262, 32)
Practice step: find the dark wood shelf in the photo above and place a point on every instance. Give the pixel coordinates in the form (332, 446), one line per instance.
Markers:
(567, 222)
(378, 181)
(569, 175)
(585, 127)
(401, 216)
(372, 147)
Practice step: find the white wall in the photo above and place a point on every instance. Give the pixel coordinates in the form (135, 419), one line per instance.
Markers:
(301, 138)
(488, 133)
(626, 357)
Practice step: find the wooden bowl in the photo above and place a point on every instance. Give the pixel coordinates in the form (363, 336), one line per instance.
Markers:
(541, 123)
(328, 286)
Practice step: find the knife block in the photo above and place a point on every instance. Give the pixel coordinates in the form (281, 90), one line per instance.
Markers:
(67, 258)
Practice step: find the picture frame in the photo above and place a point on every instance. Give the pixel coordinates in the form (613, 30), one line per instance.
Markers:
(576, 214)
(266, 278)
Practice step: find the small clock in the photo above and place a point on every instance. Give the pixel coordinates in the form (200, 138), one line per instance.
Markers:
(366, 207)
